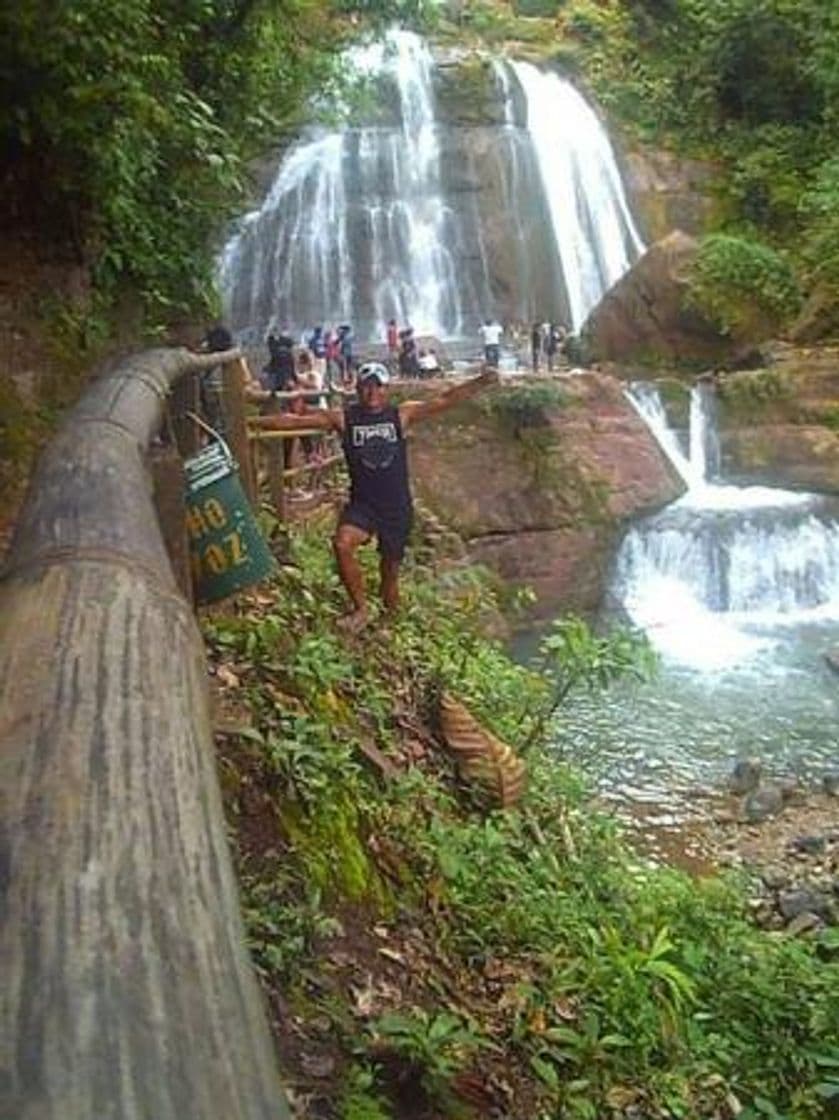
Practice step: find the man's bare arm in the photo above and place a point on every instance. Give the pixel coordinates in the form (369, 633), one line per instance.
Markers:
(325, 420)
(409, 411)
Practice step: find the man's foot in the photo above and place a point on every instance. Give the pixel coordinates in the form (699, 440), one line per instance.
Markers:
(353, 622)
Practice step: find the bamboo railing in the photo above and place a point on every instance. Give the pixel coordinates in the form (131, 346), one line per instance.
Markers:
(125, 988)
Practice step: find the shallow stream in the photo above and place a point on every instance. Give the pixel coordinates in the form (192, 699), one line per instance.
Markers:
(737, 588)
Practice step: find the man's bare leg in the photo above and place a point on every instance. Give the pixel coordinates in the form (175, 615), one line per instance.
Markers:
(389, 587)
(346, 542)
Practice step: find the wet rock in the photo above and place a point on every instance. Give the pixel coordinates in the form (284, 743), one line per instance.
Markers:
(745, 776)
(801, 900)
(830, 780)
(764, 802)
(804, 923)
(548, 522)
(790, 790)
(808, 845)
(775, 878)
(645, 312)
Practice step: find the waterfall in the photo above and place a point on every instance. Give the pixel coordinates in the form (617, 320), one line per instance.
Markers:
(593, 228)
(703, 574)
(355, 226)
(432, 223)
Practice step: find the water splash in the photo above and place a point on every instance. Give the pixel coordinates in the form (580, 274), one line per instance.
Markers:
(722, 560)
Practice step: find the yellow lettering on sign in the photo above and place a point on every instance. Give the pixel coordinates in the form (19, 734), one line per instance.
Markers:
(238, 552)
(215, 559)
(214, 512)
(196, 526)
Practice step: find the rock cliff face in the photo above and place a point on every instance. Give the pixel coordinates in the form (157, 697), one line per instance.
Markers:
(780, 424)
(539, 478)
(644, 317)
(668, 192)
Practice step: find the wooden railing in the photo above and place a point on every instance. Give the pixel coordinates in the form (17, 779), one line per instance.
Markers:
(125, 988)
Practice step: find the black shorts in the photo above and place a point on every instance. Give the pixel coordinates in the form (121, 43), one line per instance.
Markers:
(390, 530)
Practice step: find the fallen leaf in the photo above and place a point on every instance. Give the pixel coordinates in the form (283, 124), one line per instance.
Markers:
(391, 954)
(227, 677)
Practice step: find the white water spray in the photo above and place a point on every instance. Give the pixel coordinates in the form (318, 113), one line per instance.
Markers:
(702, 576)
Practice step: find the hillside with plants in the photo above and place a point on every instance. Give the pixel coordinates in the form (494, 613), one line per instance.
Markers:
(426, 954)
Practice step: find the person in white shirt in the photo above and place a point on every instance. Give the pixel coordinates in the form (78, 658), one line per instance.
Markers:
(491, 333)
(428, 362)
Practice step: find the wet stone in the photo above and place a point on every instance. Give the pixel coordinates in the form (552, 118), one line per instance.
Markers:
(800, 901)
(808, 845)
(745, 776)
(764, 802)
(804, 923)
(775, 878)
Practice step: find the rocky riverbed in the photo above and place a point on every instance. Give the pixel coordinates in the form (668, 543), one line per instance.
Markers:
(789, 855)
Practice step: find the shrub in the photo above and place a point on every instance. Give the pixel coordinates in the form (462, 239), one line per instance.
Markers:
(736, 282)
(543, 8)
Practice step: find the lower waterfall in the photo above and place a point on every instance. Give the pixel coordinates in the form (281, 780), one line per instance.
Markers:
(738, 590)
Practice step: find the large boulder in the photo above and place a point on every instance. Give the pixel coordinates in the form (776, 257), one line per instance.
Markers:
(644, 316)
(779, 424)
(541, 491)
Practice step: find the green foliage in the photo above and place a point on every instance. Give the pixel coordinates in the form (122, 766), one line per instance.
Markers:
(572, 656)
(819, 205)
(359, 1099)
(129, 124)
(438, 1045)
(754, 388)
(280, 929)
(540, 8)
(526, 406)
(750, 84)
(622, 982)
(735, 281)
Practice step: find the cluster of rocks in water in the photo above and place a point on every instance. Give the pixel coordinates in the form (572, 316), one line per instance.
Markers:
(796, 876)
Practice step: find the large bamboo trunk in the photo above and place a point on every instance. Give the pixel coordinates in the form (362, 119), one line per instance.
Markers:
(125, 988)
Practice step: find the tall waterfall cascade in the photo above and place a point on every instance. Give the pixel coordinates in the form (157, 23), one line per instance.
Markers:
(435, 224)
(595, 235)
(715, 576)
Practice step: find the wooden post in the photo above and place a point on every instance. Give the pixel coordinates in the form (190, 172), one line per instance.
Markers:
(185, 397)
(125, 989)
(275, 460)
(236, 434)
(275, 463)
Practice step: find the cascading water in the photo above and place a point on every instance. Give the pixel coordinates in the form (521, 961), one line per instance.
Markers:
(724, 556)
(738, 589)
(432, 223)
(595, 235)
(355, 226)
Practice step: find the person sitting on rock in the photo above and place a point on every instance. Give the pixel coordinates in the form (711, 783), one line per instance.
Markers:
(380, 505)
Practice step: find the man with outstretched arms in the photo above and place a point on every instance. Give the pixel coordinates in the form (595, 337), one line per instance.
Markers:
(373, 436)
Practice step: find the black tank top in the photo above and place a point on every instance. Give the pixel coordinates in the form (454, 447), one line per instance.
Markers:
(374, 447)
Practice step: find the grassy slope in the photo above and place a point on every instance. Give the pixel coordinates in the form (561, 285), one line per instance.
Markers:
(425, 956)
